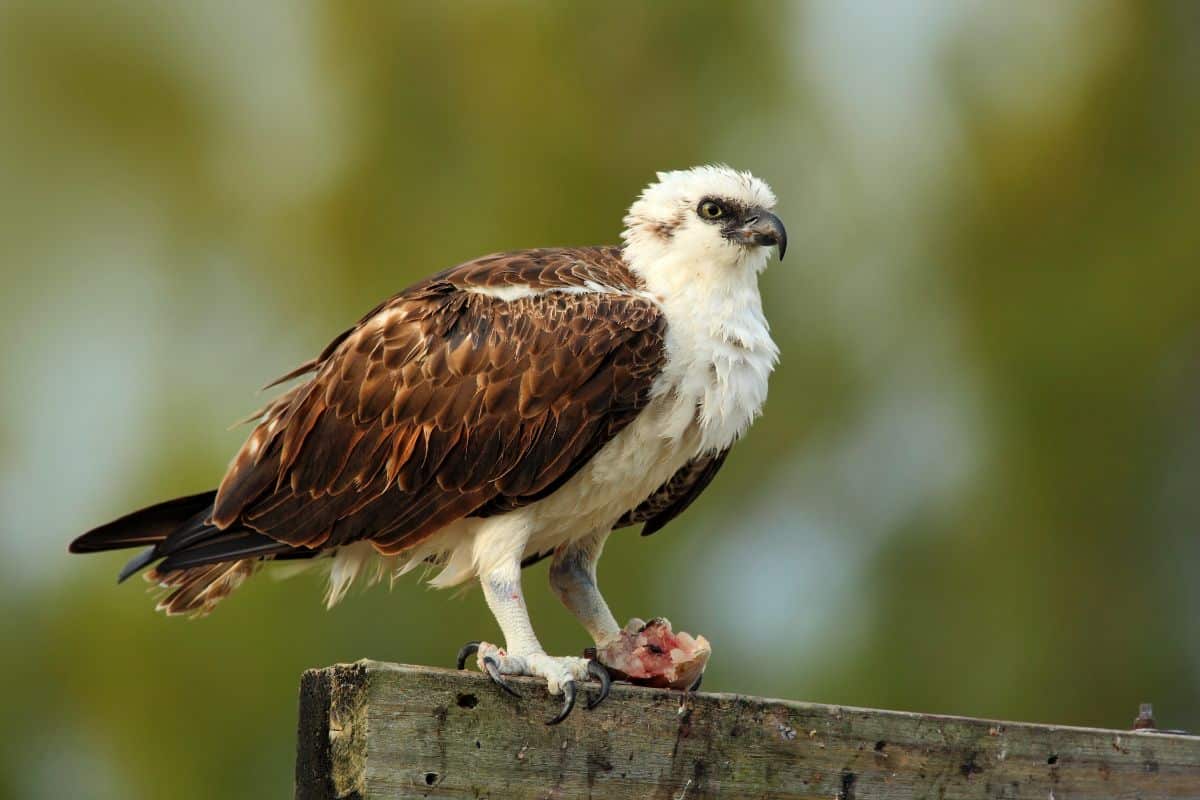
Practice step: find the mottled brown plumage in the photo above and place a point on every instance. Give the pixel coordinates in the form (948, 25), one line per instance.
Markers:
(444, 401)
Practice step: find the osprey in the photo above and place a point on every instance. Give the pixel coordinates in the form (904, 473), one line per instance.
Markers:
(516, 407)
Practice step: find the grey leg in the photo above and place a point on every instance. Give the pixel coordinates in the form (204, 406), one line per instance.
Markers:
(573, 578)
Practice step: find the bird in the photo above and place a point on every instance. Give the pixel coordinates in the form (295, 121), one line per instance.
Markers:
(516, 407)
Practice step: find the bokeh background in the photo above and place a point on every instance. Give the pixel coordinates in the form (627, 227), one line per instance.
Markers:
(976, 487)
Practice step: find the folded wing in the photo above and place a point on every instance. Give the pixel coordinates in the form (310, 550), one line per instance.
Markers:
(476, 392)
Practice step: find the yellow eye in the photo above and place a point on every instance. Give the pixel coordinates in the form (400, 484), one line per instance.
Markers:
(711, 210)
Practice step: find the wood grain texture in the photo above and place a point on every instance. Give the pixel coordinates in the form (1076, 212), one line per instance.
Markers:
(373, 730)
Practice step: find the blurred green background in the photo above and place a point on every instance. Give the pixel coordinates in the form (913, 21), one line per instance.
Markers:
(975, 486)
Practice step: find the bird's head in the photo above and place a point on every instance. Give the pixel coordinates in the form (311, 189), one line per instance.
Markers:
(711, 217)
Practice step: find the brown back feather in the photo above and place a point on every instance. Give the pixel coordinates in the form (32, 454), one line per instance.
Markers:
(445, 403)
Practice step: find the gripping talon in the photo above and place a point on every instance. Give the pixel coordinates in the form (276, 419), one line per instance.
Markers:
(568, 703)
(469, 649)
(493, 670)
(597, 671)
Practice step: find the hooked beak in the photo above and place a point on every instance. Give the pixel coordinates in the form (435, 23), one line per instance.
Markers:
(761, 228)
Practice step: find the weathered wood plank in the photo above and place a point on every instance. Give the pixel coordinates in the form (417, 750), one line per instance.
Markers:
(372, 730)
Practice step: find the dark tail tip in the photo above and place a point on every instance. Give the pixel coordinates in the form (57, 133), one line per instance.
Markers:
(138, 563)
(148, 526)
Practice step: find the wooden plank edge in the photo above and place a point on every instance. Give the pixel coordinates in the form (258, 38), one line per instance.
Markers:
(331, 741)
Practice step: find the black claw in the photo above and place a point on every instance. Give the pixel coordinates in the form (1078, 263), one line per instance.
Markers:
(493, 670)
(469, 649)
(568, 703)
(695, 687)
(597, 671)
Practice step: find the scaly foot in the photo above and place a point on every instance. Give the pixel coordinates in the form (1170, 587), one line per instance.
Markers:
(651, 654)
(562, 673)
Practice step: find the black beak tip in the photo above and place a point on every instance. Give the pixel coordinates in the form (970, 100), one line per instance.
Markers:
(765, 229)
(779, 233)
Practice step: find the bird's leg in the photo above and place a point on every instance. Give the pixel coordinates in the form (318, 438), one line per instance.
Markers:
(522, 653)
(573, 578)
(644, 652)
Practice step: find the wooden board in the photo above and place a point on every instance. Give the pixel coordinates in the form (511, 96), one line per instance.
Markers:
(373, 730)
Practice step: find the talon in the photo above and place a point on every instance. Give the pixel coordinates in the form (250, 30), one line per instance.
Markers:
(695, 687)
(493, 670)
(597, 671)
(469, 649)
(568, 703)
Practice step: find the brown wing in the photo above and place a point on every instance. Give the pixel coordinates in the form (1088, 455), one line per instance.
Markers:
(446, 402)
(673, 497)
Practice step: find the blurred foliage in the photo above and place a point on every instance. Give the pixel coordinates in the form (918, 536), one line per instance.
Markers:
(974, 487)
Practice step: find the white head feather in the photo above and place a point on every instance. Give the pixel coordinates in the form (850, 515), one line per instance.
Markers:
(664, 230)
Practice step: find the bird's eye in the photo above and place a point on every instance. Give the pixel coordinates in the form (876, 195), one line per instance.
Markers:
(711, 210)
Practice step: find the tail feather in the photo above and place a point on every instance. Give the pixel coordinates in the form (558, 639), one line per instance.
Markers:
(227, 546)
(138, 563)
(197, 530)
(196, 590)
(198, 562)
(147, 526)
